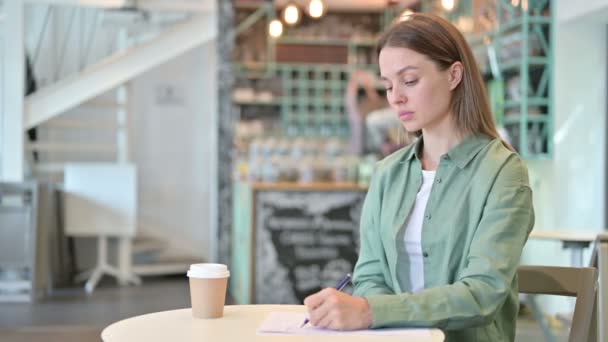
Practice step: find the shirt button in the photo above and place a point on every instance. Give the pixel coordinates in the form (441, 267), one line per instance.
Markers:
(425, 254)
(428, 216)
(439, 180)
(446, 157)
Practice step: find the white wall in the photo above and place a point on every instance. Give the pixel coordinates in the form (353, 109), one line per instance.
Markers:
(568, 10)
(173, 138)
(1, 78)
(173, 148)
(569, 190)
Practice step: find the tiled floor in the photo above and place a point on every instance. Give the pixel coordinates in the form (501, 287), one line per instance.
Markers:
(71, 316)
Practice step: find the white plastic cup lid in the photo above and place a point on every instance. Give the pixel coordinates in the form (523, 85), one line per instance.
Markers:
(208, 271)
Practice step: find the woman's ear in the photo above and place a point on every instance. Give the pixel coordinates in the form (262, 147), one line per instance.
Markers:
(455, 74)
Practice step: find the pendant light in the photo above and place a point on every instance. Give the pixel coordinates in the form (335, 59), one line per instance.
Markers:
(448, 5)
(291, 14)
(316, 8)
(275, 28)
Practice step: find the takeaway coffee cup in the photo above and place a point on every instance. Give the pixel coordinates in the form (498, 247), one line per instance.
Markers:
(208, 289)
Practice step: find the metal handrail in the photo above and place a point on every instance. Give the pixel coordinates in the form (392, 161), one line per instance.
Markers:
(92, 35)
(49, 12)
(86, 43)
(65, 43)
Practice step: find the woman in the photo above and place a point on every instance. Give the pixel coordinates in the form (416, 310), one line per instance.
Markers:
(445, 219)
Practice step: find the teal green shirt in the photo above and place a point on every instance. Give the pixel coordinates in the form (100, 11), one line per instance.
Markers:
(477, 220)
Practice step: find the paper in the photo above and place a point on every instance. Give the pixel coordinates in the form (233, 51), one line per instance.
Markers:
(277, 323)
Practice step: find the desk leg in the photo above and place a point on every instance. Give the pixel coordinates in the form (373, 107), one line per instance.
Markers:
(124, 260)
(123, 273)
(576, 257)
(126, 275)
(538, 315)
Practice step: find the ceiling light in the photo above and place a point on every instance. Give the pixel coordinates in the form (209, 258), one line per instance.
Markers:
(275, 28)
(448, 5)
(316, 8)
(291, 14)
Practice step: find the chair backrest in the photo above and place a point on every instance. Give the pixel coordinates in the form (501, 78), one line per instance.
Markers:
(579, 282)
(100, 199)
(599, 260)
(600, 238)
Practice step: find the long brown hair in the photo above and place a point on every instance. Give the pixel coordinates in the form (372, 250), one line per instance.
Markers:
(436, 38)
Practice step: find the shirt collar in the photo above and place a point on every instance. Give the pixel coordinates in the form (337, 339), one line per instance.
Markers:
(414, 151)
(460, 154)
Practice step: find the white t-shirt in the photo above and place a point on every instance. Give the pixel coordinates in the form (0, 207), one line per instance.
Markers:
(413, 233)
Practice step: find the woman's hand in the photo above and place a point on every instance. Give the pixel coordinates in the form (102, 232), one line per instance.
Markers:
(332, 309)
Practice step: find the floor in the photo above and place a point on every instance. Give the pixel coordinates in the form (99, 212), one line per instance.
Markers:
(70, 315)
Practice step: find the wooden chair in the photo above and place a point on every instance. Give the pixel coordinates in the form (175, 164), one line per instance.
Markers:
(579, 282)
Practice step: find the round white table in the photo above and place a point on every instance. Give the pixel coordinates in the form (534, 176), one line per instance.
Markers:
(239, 323)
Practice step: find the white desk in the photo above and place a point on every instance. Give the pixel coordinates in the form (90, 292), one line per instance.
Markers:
(576, 241)
(239, 323)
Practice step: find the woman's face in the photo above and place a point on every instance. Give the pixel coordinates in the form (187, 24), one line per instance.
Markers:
(416, 88)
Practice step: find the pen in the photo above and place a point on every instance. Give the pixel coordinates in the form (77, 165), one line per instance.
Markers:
(339, 287)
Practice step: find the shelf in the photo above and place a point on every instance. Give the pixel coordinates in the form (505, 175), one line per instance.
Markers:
(516, 64)
(532, 101)
(313, 100)
(254, 70)
(326, 41)
(523, 46)
(250, 4)
(258, 103)
(478, 39)
(315, 66)
(517, 23)
(517, 119)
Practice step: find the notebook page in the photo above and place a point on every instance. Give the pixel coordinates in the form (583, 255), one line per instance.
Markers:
(290, 323)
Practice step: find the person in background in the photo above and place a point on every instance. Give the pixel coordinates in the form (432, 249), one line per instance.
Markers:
(445, 218)
(374, 125)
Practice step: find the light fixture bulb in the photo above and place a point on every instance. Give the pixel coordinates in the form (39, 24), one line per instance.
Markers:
(405, 15)
(275, 28)
(291, 14)
(316, 8)
(448, 5)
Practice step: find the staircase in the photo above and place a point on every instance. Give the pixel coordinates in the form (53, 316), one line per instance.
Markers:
(80, 113)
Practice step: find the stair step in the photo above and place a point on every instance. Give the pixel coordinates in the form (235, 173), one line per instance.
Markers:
(143, 245)
(70, 147)
(98, 104)
(48, 167)
(88, 124)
